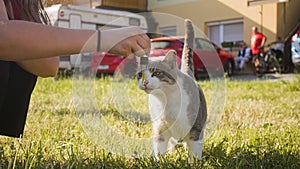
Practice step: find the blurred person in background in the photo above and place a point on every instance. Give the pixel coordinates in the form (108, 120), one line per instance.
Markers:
(279, 44)
(243, 56)
(258, 41)
(279, 47)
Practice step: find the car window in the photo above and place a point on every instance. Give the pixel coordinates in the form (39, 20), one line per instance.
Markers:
(160, 45)
(204, 45)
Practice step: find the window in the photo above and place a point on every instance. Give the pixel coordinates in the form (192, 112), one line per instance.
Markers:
(228, 31)
(214, 33)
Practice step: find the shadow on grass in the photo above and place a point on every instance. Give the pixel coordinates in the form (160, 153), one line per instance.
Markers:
(133, 117)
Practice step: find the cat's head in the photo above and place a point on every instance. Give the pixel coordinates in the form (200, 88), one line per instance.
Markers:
(159, 74)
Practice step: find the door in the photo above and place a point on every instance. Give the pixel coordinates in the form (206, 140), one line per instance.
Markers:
(75, 21)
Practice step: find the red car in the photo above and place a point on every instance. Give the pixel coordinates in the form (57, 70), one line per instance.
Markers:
(208, 57)
(107, 64)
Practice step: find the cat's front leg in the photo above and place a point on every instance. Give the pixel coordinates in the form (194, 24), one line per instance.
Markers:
(160, 143)
(172, 145)
(195, 147)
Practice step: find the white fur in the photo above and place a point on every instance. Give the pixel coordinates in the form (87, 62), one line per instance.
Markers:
(174, 100)
(171, 111)
(168, 110)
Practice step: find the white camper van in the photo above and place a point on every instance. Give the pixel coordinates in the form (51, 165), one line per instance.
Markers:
(81, 17)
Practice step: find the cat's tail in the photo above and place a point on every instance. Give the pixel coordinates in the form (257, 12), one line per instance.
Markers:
(187, 64)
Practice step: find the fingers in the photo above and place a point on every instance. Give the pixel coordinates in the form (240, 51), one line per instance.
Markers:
(145, 43)
(136, 44)
(142, 46)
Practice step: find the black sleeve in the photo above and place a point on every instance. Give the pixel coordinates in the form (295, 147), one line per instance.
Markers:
(239, 54)
(16, 86)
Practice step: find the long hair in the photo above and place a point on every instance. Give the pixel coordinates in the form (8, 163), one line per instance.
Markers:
(29, 10)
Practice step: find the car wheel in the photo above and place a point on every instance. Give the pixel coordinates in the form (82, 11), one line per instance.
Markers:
(229, 67)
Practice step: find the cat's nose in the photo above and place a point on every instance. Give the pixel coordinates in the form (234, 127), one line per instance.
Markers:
(145, 82)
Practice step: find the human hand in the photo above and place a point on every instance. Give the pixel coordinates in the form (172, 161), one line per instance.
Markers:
(125, 41)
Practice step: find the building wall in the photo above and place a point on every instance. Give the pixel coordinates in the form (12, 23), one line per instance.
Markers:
(271, 19)
(126, 4)
(288, 17)
(161, 3)
(266, 17)
(199, 11)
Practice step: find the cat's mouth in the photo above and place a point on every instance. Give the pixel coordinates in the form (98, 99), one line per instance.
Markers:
(147, 90)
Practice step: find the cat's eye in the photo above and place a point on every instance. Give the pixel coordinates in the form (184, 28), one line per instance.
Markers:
(155, 74)
(139, 74)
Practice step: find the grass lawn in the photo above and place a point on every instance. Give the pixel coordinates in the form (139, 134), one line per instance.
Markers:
(104, 123)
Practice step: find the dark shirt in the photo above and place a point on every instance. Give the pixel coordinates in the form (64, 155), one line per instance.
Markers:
(245, 52)
(16, 86)
(242, 52)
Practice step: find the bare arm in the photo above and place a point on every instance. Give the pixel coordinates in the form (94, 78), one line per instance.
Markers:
(22, 40)
(27, 43)
(41, 67)
(46, 67)
(264, 39)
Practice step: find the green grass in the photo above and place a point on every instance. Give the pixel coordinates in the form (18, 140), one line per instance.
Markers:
(69, 126)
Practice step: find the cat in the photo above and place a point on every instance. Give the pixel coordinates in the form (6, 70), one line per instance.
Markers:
(177, 103)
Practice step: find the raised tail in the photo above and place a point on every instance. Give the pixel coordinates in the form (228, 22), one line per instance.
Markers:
(187, 64)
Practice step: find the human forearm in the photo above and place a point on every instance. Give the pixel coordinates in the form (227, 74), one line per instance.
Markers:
(263, 41)
(46, 67)
(21, 40)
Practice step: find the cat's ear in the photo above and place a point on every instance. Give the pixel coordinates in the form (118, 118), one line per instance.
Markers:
(170, 58)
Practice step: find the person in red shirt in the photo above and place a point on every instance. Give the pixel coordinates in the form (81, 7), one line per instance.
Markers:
(258, 40)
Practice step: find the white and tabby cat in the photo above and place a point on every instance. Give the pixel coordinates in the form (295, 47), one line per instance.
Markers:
(176, 102)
